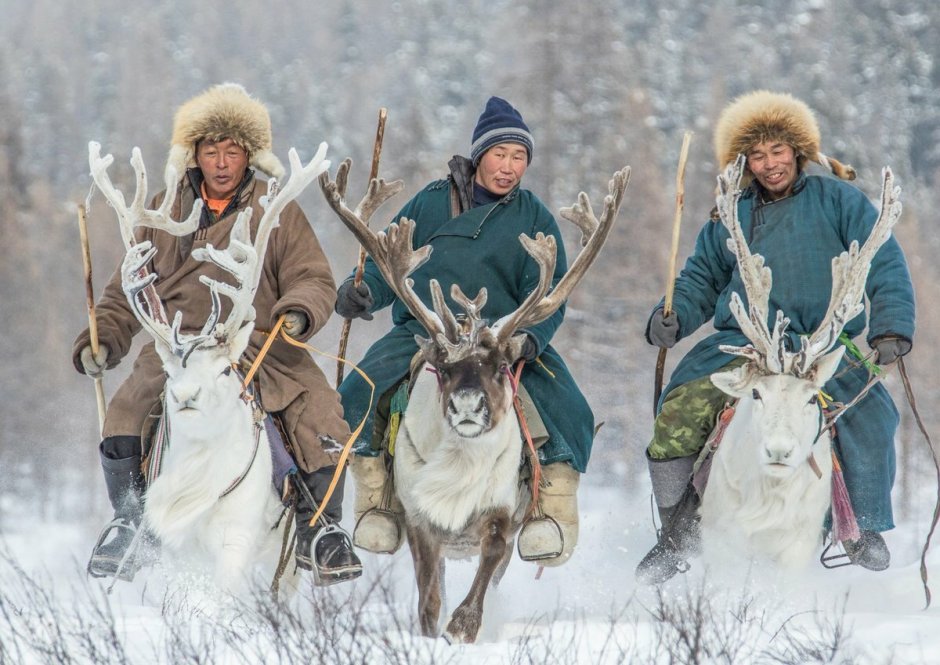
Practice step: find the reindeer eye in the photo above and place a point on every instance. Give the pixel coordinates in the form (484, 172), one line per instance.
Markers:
(227, 371)
(755, 394)
(814, 399)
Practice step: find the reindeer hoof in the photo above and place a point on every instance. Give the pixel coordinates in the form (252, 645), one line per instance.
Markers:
(462, 627)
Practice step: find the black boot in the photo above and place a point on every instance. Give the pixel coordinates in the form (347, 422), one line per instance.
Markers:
(325, 548)
(679, 535)
(679, 538)
(869, 551)
(120, 460)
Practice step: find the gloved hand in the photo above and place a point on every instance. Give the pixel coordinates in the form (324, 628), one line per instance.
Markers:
(889, 349)
(95, 365)
(530, 350)
(354, 302)
(664, 330)
(295, 323)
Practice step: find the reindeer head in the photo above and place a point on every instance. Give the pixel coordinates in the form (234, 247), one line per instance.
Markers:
(199, 367)
(470, 357)
(778, 388)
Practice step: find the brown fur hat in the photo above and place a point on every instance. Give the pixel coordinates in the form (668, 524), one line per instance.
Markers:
(224, 111)
(764, 116)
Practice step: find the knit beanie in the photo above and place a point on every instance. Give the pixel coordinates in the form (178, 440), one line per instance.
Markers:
(499, 123)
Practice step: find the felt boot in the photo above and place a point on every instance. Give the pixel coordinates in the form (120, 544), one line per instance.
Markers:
(550, 536)
(379, 513)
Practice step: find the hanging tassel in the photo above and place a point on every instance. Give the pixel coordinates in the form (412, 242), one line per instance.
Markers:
(844, 524)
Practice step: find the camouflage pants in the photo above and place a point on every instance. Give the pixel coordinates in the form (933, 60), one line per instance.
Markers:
(687, 417)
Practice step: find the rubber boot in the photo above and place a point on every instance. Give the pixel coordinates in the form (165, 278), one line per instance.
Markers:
(379, 513)
(550, 537)
(869, 551)
(323, 548)
(679, 536)
(120, 461)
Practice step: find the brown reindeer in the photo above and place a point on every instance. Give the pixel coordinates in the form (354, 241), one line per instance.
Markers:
(459, 447)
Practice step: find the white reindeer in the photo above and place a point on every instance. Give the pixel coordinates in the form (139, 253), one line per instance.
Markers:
(458, 451)
(214, 498)
(769, 485)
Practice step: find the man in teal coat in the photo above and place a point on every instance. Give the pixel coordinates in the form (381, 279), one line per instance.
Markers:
(798, 220)
(473, 219)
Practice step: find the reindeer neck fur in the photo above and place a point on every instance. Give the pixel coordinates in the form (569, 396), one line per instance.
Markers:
(778, 510)
(211, 428)
(448, 480)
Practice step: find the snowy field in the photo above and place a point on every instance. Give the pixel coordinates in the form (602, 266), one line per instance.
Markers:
(589, 611)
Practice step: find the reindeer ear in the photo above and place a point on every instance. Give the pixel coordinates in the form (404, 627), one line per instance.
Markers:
(427, 347)
(824, 368)
(165, 353)
(239, 341)
(734, 382)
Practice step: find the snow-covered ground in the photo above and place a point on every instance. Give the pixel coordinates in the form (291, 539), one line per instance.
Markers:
(589, 611)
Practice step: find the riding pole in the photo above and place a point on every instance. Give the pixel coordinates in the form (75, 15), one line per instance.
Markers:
(360, 266)
(90, 301)
(673, 255)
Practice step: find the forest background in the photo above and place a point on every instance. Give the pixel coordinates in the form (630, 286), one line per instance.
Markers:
(601, 84)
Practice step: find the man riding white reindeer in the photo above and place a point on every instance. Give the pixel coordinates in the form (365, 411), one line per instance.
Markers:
(220, 138)
(798, 219)
(472, 220)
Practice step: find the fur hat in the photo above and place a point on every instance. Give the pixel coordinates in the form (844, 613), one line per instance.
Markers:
(224, 111)
(499, 123)
(764, 116)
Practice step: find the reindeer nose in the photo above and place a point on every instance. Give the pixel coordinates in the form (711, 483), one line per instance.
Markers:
(185, 397)
(468, 402)
(777, 453)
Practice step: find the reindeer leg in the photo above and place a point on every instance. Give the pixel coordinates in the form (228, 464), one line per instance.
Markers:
(465, 621)
(426, 554)
(504, 564)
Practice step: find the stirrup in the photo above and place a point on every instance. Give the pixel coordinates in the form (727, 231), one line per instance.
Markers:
(127, 566)
(326, 577)
(535, 534)
(387, 534)
(832, 561)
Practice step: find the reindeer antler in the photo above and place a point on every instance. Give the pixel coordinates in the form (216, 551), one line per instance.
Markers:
(540, 305)
(849, 273)
(392, 250)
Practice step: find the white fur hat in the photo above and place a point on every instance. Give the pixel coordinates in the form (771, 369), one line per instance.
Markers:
(224, 111)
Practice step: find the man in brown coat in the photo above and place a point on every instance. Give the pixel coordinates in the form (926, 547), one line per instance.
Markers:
(219, 138)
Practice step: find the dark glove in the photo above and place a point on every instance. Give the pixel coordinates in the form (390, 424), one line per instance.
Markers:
(663, 330)
(889, 349)
(354, 301)
(95, 365)
(295, 323)
(530, 350)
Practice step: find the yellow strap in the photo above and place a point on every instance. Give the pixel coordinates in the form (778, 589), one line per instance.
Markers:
(352, 438)
(264, 351)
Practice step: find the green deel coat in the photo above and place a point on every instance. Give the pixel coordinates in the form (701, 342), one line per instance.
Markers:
(479, 248)
(798, 237)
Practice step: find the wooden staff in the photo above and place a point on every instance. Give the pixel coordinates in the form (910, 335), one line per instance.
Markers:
(90, 301)
(671, 276)
(360, 266)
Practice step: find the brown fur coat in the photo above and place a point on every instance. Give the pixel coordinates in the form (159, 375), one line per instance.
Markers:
(296, 276)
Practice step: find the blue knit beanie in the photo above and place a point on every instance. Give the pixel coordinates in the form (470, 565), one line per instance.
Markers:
(499, 123)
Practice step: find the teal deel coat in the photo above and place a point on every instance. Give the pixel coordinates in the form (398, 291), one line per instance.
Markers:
(798, 236)
(478, 248)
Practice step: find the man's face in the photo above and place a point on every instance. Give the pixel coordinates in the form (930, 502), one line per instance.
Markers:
(774, 165)
(223, 166)
(501, 167)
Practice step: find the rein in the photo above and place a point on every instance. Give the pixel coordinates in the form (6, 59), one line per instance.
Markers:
(347, 448)
(902, 370)
(530, 446)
